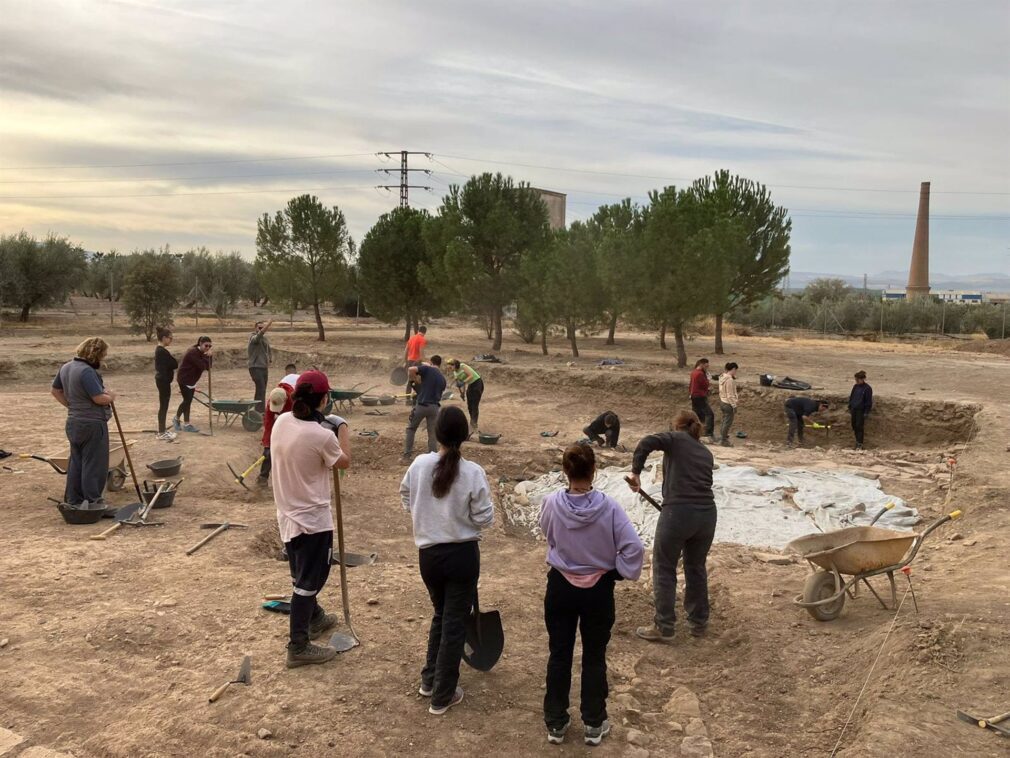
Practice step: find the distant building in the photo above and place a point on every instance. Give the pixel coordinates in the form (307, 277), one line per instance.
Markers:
(555, 202)
(966, 297)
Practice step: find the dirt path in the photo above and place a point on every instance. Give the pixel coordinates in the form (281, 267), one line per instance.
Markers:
(112, 648)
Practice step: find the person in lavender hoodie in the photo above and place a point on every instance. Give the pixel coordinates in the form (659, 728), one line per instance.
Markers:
(591, 543)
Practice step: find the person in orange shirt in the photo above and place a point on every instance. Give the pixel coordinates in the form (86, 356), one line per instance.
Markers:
(413, 353)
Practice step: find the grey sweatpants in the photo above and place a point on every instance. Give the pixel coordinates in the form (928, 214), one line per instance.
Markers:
(728, 412)
(686, 530)
(418, 414)
(88, 469)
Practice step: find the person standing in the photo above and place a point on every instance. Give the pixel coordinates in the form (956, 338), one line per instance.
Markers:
(304, 454)
(449, 500)
(431, 385)
(79, 388)
(165, 365)
(727, 402)
(197, 359)
(860, 405)
(413, 352)
(259, 358)
(686, 525)
(591, 544)
(797, 409)
(698, 389)
(471, 389)
(609, 425)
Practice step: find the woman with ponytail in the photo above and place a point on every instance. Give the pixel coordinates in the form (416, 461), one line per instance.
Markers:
(686, 525)
(303, 454)
(449, 500)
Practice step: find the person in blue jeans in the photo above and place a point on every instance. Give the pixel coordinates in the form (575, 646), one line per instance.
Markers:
(591, 544)
(79, 388)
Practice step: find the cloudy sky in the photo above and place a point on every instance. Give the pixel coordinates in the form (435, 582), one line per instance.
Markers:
(137, 123)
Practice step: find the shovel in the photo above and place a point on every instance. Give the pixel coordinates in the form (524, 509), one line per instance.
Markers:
(244, 677)
(647, 497)
(126, 513)
(485, 638)
(352, 559)
(996, 723)
(398, 376)
(341, 641)
(126, 450)
(240, 478)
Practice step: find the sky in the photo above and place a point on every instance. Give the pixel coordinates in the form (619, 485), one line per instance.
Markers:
(131, 124)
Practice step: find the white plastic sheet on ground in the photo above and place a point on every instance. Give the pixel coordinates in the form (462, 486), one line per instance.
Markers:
(755, 508)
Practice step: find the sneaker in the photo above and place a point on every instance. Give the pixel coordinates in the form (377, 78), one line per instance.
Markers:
(176, 425)
(189, 428)
(310, 654)
(652, 634)
(322, 624)
(595, 734)
(859, 446)
(424, 690)
(557, 736)
(162, 436)
(710, 439)
(457, 698)
(406, 460)
(696, 630)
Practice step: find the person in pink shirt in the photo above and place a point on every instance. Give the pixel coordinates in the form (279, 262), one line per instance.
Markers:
(591, 543)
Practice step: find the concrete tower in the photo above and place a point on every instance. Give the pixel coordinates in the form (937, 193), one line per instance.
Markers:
(918, 272)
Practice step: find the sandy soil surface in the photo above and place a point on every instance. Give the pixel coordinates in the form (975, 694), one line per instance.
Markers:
(111, 648)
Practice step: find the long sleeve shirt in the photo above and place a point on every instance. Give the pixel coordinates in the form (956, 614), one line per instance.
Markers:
(727, 389)
(687, 467)
(699, 383)
(258, 350)
(194, 363)
(165, 363)
(861, 397)
(460, 516)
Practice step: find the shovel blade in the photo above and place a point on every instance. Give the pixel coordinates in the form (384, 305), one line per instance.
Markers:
(127, 512)
(485, 640)
(342, 642)
(350, 560)
(398, 376)
(245, 671)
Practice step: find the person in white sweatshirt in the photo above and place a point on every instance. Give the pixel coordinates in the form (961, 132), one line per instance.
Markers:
(449, 500)
(591, 543)
(727, 402)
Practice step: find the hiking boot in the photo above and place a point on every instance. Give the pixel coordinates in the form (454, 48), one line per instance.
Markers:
(176, 425)
(859, 446)
(323, 623)
(557, 736)
(595, 734)
(653, 634)
(189, 428)
(696, 630)
(425, 690)
(457, 698)
(309, 654)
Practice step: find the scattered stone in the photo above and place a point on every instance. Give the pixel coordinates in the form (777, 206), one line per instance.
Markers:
(636, 752)
(5, 642)
(675, 727)
(636, 737)
(8, 740)
(409, 618)
(627, 700)
(956, 536)
(696, 727)
(43, 752)
(683, 703)
(264, 734)
(774, 559)
(372, 601)
(967, 543)
(696, 747)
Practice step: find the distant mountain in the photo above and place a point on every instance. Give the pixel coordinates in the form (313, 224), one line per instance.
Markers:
(986, 282)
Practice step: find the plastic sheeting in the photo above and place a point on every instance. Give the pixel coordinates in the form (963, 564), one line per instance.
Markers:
(755, 508)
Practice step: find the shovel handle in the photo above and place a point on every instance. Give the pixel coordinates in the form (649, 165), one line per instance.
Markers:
(277, 597)
(218, 692)
(207, 539)
(107, 532)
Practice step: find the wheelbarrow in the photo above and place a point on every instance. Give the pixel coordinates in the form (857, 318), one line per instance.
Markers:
(117, 464)
(344, 399)
(858, 552)
(233, 410)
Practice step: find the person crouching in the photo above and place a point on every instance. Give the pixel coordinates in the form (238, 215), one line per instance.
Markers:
(591, 543)
(303, 454)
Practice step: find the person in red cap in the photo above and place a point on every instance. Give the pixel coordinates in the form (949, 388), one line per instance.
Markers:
(303, 454)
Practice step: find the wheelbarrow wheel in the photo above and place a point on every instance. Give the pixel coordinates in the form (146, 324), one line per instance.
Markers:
(819, 586)
(116, 480)
(252, 420)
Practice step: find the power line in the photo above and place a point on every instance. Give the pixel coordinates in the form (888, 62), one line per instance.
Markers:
(405, 185)
(185, 194)
(139, 179)
(185, 163)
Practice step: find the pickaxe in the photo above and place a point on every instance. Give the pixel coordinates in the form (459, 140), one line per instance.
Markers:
(218, 528)
(240, 478)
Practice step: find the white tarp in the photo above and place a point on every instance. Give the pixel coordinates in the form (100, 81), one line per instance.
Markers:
(755, 508)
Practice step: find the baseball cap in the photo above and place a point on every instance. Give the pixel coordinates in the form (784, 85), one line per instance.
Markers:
(316, 379)
(278, 397)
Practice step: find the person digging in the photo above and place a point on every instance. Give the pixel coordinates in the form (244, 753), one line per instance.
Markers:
(430, 384)
(606, 424)
(797, 410)
(303, 454)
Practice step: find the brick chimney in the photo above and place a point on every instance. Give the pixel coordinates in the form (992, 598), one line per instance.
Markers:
(918, 272)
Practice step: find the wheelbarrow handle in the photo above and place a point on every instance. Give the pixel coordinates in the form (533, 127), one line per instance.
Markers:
(883, 510)
(952, 516)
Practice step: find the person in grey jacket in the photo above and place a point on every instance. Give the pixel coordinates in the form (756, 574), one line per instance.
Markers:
(79, 388)
(259, 361)
(449, 500)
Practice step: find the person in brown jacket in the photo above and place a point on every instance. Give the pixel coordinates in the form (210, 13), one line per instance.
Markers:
(727, 402)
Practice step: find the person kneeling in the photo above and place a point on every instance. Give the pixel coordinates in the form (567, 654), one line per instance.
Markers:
(607, 424)
(303, 454)
(591, 543)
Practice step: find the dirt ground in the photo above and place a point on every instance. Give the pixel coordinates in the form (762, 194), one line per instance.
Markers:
(112, 648)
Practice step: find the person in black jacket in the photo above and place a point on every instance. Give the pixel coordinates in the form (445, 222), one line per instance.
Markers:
(860, 405)
(165, 365)
(607, 424)
(797, 408)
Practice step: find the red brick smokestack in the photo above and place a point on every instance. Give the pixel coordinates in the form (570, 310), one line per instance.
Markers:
(918, 272)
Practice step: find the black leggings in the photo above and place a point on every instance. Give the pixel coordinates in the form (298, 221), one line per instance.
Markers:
(473, 395)
(164, 385)
(187, 400)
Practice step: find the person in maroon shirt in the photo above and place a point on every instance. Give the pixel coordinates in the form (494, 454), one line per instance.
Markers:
(196, 360)
(698, 390)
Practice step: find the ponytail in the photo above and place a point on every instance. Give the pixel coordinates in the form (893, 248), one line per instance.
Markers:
(306, 402)
(688, 421)
(451, 430)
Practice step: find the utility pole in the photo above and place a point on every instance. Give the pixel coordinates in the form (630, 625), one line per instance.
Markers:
(405, 184)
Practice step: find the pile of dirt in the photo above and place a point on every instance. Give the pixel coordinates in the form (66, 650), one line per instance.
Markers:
(992, 347)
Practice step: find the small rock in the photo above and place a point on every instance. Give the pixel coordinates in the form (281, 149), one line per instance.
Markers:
(626, 700)
(675, 727)
(168, 603)
(636, 752)
(956, 536)
(970, 543)
(4, 642)
(87, 638)
(264, 734)
(696, 747)
(683, 703)
(635, 737)
(372, 601)
(774, 559)
(696, 727)
(409, 618)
